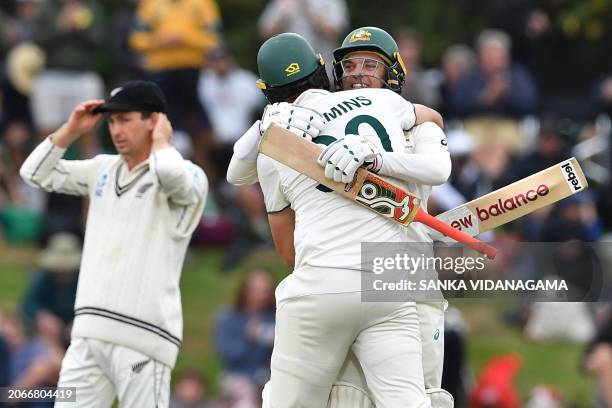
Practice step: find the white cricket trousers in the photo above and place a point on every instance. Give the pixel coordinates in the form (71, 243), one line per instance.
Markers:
(101, 371)
(314, 333)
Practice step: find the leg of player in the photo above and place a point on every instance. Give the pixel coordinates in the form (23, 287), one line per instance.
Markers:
(389, 349)
(312, 336)
(431, 325)
(81, 371)
(140, 380)
(349, 391)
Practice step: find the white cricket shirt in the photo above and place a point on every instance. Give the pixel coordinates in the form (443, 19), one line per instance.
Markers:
(139, 224)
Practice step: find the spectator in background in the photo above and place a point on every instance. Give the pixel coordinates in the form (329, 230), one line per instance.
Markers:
(190, 391)
(232, 99)
(72, 34)
(233, 102)
(33, 363)
(244, 335)
(320, 22)
(18, 28)
(457, 60)
(598, 360)
(24, 63)
(497, 86)
(48, 303)
(129, 61)
(417, 88)
(21, 207)
(174, 37)
(552, 147)
(603, 96)
(527, 22)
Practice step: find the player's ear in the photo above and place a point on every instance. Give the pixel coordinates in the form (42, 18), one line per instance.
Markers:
(153, 119)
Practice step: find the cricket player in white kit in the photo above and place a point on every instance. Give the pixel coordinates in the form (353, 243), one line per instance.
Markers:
(143, 207)
(353, 122)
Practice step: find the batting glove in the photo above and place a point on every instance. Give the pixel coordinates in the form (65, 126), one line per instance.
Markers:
(342, 158)
(304, 122)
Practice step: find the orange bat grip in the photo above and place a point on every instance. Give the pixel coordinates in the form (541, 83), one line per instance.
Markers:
(459, 236)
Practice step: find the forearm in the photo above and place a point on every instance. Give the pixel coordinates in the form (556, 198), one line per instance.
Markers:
(429, 169)
(429, 163)
(183, 182)
(242, 169)
(41, 162)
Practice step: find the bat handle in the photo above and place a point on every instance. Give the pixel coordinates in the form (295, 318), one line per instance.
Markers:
(455, 234)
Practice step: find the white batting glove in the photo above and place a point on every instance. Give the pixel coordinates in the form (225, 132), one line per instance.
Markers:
(342, 158)
(304, 122)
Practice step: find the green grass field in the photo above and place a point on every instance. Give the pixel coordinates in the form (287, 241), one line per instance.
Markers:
(205, 290)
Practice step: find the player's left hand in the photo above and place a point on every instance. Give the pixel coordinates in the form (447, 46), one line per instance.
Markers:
(342, 158)
(304, 122)
(162, 132)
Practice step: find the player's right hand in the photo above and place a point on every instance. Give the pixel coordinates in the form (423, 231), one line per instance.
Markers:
(304, 122)
(343, 158)
(82, 119)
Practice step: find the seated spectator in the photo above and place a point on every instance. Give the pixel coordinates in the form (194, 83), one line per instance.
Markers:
(48, 304)
(495, 94)
(456, 62)
(598, 360)
(497, 86)
(243, 338)
(416, 88)
(603, 95)
(551, 148)
(32, 363)
(21, 206)
(190, 391)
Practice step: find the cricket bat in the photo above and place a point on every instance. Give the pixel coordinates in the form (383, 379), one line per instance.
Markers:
(367, 189)
(517, 199)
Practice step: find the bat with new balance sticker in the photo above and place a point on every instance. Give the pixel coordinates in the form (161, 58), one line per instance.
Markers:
(367, 189)
(518, 199)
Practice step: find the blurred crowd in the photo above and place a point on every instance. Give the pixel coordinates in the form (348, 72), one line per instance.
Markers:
(501, 128)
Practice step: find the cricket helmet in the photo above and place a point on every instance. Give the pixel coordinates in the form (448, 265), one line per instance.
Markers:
(288, 65)
(375, 40)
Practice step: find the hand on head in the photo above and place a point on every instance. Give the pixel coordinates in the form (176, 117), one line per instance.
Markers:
(81, 120)
(162, 131)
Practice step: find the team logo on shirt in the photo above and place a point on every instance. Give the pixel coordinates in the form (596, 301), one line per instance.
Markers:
(361, 35)
(137, 368)
(101, 183)
(292, 68)
(437, 335)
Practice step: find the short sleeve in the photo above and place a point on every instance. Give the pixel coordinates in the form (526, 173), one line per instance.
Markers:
(403, 109)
